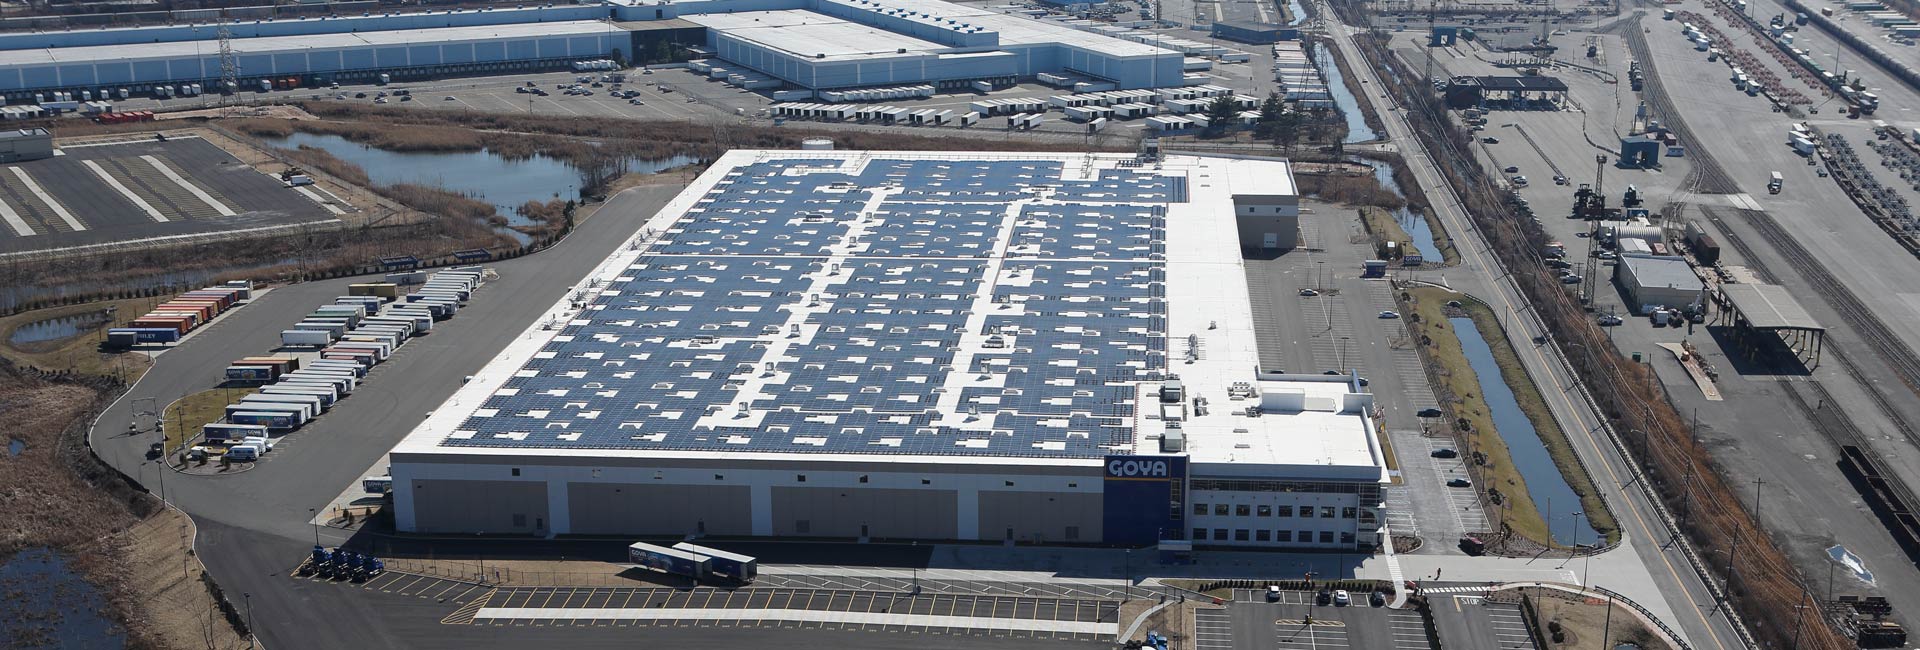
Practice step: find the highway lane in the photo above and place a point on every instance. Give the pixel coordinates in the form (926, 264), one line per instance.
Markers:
(1664, 581)
(254, 524)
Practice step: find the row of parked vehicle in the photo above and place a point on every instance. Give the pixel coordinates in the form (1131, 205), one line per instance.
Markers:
(173, 319)
(351, 336)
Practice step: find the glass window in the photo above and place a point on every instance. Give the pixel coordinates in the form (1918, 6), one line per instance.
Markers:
(1285, 511)
(1199, 508)
(1199, 534)
(1349, 512)
(1346, 538)
(1283, 535)
(1265, 511)
(1220, 509)
(1326, 537)
(1220, 534)
(1242, 510)
(1326, 512)
(1240, 535)
(1263, 535)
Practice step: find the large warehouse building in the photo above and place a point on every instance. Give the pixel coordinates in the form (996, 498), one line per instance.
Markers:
(945, 346)
(811, 44)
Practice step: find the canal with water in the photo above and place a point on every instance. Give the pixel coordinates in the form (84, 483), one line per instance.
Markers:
(1416, 226)
(1551, 494)
(47, 605)
(1357, 129)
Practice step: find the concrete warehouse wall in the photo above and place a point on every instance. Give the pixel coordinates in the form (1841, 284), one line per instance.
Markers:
(1041, 516)
(138, 70)
(457, 506)
(880, 512)
(641, 509)
(297, 27)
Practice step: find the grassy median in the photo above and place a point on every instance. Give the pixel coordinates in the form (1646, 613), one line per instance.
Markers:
(1474, 421)
(187, 415)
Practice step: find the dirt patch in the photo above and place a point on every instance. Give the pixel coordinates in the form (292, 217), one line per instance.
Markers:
(1580, 624)
(175, 605)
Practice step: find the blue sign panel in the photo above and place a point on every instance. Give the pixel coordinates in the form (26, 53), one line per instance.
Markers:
(1143, 498)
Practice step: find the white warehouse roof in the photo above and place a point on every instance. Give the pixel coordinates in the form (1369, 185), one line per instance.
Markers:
(281, 44)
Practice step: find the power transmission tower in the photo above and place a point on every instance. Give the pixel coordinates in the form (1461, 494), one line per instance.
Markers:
(229, 67)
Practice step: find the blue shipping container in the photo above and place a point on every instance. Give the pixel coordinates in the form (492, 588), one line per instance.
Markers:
(149, 334)
(674, 561)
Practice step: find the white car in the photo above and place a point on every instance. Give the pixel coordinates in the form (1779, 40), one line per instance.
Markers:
(1341, 598)
(1610, 320)
(1389, 314)
(1308, 293)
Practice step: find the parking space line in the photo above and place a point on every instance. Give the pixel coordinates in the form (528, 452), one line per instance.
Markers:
(188, 186)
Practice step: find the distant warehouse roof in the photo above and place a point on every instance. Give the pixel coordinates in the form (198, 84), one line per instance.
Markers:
(1770, 306)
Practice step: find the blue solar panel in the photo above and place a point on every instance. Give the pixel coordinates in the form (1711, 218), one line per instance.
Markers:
(779, 314)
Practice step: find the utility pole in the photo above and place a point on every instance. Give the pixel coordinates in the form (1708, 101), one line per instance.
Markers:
(1757, 482)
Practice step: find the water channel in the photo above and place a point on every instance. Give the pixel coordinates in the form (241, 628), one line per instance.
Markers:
(1357, 129)
(1415, 225)
(1556, 500)
(483, 175)
(49, 606)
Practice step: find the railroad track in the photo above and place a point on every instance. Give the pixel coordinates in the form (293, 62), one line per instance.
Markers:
(1706, 176)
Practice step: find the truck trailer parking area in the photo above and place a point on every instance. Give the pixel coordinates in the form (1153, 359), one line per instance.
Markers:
(101, 193)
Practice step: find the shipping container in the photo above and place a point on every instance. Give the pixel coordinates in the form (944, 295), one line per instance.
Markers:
(668, 560)
(143, 335)
(336, 329)
(739, 568)
(399, 330)
(315, 406)
(362, 357)
(336, 384)
(326, 395)
(305, 338)
(302, 412)
(379, 350)
(271, 421)
(221, 432)
(286, 363)
(346, 380)
(244, 374)
(339, 364)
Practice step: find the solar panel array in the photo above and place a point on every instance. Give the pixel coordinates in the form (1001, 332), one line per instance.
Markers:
(837, 306)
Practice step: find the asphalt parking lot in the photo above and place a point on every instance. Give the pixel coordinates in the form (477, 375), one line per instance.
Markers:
(1294, 622)
(94, 194)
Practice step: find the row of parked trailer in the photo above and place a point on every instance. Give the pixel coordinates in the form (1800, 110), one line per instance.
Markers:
(353, 334)
(173, 319)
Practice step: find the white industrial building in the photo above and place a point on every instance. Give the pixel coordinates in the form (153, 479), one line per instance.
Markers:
(1651, 282)
(908, 345)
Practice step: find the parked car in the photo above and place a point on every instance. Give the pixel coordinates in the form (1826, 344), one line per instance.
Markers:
(1325, 597)
(1341, 598)
(1445, 452)
(1459, 483)
(1512, 169)
(1273, 593)
(1610, 320)
(1377, 599)
(448, 98)
(1309, 293)
(1607, 255)
(1519, 180)
(1429, 413)
(1490, 140)
(1559, 179)
(1389, 314)
(1570, 279)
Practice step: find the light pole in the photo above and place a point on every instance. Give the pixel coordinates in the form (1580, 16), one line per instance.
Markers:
(313, 518)
(1127, 561)
(248, 597)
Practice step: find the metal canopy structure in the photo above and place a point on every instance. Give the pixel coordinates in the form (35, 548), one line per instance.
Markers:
(1770, 308)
